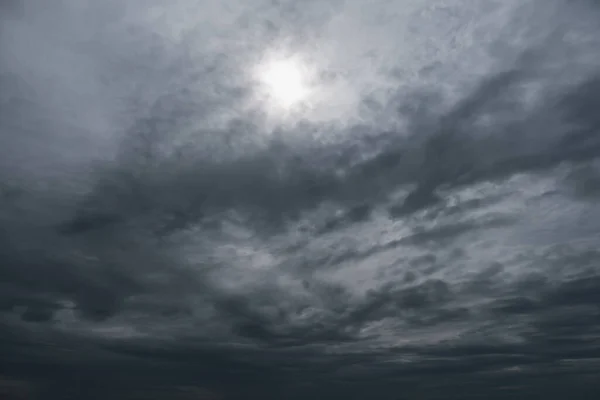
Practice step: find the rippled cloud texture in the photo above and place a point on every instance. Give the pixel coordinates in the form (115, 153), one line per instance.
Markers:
(427, 228)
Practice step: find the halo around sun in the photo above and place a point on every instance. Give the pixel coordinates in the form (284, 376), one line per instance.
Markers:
(283, 81)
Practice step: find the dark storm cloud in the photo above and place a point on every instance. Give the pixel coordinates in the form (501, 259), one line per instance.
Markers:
(396, 263)
(584, 181)
(279, 186)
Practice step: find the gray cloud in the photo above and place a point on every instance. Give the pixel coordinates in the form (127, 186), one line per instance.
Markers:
(427, 230)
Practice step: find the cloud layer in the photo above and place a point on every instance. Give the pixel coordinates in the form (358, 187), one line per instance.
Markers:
(427, 230)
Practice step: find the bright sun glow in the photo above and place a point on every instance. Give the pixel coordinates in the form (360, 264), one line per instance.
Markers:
(284, 81)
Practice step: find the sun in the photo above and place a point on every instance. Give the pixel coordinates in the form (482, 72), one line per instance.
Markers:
(284, 82)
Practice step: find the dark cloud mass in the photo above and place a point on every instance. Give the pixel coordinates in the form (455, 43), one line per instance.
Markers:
(422, 224)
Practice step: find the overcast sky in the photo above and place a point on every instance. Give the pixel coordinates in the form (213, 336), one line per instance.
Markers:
(278, 199)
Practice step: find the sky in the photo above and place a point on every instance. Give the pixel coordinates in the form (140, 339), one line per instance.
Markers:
(276, 199)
